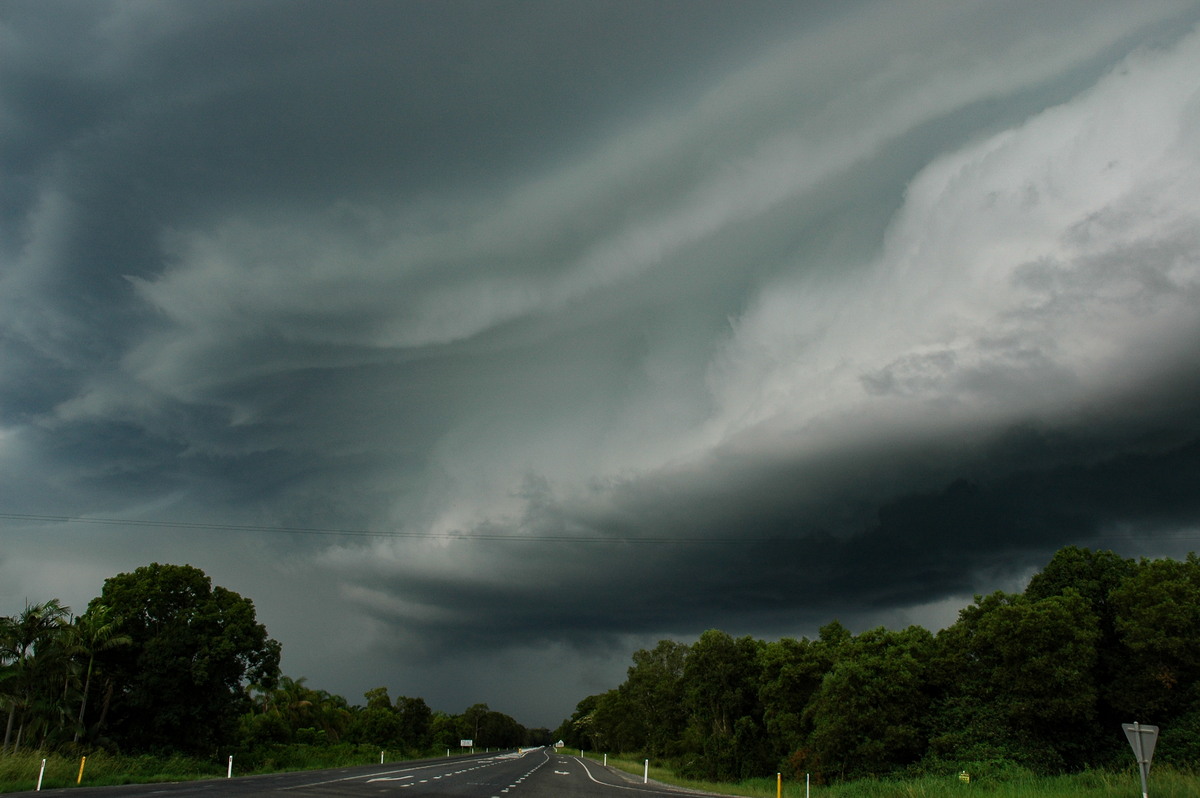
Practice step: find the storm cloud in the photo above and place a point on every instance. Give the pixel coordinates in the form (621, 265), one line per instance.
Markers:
(481, 342)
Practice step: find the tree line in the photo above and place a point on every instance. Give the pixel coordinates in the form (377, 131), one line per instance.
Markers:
(1040, 680)
(163, 661)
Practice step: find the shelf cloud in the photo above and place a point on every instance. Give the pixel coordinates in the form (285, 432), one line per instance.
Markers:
(481, 342)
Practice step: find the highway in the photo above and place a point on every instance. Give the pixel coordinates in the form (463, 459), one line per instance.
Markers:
(539, 773)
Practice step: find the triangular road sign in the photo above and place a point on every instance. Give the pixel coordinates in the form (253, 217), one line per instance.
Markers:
(1141, 740)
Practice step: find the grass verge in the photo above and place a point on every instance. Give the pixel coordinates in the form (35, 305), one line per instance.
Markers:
(19, 772)
(1165, 782)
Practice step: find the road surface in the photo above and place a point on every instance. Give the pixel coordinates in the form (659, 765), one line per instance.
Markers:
(540, 773)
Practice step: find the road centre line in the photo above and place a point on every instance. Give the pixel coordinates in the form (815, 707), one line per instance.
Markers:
(388, 778)
(384, 773)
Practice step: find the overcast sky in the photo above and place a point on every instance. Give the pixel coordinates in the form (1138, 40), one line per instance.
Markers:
(481, 344)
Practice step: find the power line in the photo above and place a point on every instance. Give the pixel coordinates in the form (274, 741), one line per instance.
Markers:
(474, 536)
(79, 519)
(374, 533)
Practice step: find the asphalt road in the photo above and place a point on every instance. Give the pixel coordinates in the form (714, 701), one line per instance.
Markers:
(540, 773)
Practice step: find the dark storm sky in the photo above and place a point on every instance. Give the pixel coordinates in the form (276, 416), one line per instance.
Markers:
(608, 321)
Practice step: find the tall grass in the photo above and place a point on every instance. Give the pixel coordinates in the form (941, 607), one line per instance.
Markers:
(19, 772)
(1165, 782)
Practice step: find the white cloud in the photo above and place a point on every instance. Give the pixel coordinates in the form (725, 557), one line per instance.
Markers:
(1025, 272)
(265, 294)
(493, 259)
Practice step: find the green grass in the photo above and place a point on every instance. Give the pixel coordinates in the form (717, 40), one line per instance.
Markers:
(1165, 782)
(19, 772)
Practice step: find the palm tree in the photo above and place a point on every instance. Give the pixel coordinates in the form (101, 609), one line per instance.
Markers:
(9, 634)
(298, 706)
(95, 631)
(22, 638)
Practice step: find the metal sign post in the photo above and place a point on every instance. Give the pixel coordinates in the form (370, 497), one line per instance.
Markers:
(1142, 740)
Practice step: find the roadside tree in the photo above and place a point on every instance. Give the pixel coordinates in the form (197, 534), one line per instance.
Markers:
(180, 684)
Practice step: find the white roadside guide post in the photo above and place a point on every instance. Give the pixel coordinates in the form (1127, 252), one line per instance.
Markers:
(1142, 740)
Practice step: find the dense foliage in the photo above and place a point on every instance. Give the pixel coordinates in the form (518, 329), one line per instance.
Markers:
(1041, 680)
(178, 684)
(163, 661)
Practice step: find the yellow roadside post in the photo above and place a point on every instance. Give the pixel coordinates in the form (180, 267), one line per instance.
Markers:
(79, 778)
(778, 785)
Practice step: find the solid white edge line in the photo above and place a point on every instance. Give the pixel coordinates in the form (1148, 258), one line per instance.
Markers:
(656, 790)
